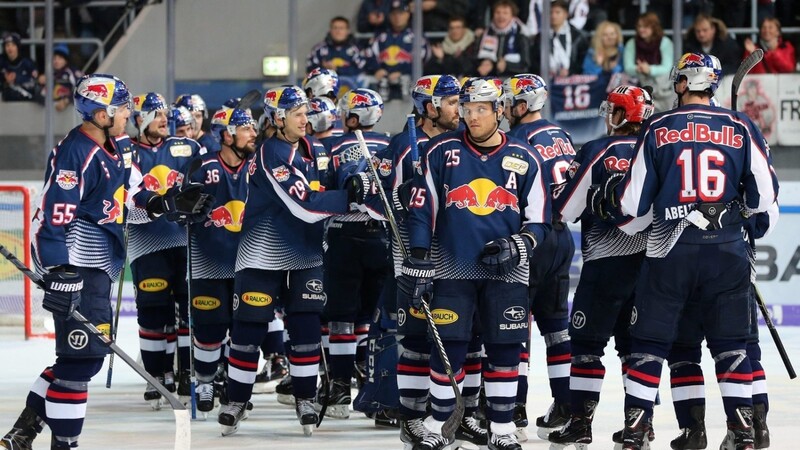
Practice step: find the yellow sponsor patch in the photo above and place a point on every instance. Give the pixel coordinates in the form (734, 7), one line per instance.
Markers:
(515, 165)
(205, 303)
(440, 316)
(153, 284)
(256, 298)
(104, 328)
(180, 150)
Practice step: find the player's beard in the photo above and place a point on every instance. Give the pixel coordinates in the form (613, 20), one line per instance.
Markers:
(153, 136)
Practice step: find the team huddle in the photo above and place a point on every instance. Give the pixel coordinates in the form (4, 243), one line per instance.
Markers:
(413, 267)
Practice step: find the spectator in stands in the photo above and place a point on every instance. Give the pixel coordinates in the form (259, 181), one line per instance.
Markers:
(454, 54)
(18, 73)
(568, 45)
(504, 49)
(339, 52)
(648, 56)
(436, 13)
(605, 54)
(579, 11)
(779, 56)
(373, 16)
(480, 15)
(392, 52)
(65, 78)
(709, 35)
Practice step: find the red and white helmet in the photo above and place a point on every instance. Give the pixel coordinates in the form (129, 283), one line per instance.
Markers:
(637, 103)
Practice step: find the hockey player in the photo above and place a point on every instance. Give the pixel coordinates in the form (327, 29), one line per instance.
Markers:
(696, 169)
(214, 242)
(322, 119)
(481, 201)
(78, 247)
(611, 260)
(279, 260)
(549, 273)
(357, 258)
(157, 251)
(321, 82)
(181, 122)
(197, 106)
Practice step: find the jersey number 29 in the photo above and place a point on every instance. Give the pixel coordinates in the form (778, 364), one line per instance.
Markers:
(705, 177)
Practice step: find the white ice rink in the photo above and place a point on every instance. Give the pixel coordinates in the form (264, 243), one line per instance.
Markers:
(118, 418)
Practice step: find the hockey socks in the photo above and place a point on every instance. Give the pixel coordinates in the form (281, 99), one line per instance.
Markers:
(472, 376)
(39, 390)
(343, 345)
(304, 356)
(644, 374)
(556, 338)
(759, 378)
(66, 397)
(686, 382)
(153, 346)
(522, 381)
(413, 376)
(208, 350)
(586, 374)
(246, 338)
(500, 382)
(443, 399)
(734, 376)
(273, 342)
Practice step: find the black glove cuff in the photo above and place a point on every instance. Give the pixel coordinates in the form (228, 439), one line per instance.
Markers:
(155, 207)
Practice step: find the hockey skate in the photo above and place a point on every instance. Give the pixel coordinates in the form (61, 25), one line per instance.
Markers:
(184, 384)
(521, 421)
(231, 415)
(760, 430)
(24, 431)
(412, 432)
(434, 441)
(555, 418)
(339, 400)
(503, 441)
(635, 434)
(385, 419)
(169, 381)
(740, 433)
(285, 391)
(275, 370)
(617, 436)
(152, 396)
(578, 430)
(205, 399)
(693, 438)
(304, 408)
(471, 431)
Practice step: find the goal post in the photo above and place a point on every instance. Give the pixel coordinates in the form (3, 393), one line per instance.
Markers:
(20, 303)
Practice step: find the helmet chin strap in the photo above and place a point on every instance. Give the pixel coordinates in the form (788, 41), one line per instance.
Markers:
(104, 129)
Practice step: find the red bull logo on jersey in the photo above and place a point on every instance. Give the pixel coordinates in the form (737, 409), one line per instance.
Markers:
(153, 284)
(394, 55)
(228, 216)
(440, 316)
(481, 197)
(560, 147)
(160, 178)
(100, 92)
(112, 209)
(339, 62)
(699, 133)
(257, 299)
(614, 164)
(67, 179)
(205, 303)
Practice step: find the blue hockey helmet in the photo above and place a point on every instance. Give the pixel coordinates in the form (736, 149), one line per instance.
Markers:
(229, 119)
(526, 87)
(178, 117)
(279, 100)
(147, 107)
(321, 82)
(192, 102)
(321, 114)
(100, 91)
(431, 88)
(365, 104)
(702, 72)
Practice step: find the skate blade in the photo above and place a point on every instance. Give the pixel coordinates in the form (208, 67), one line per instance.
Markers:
(521, 434)
(229, 430)
(285, 399)
(338, 411)
(308, 430)
(564, 446)
(466, 445)
(544, 433)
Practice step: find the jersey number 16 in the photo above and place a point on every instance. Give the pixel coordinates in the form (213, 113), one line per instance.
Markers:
(701, 173)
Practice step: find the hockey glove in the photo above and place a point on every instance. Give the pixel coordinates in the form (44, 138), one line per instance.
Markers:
(401, 197)
(601, 199)
(502, 256)
(358, 186)
(416, 280)
(62, 293)
(185, 204)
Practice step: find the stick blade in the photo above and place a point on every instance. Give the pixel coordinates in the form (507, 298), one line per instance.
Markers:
(249, 99)
(451, 424)
(751, 61)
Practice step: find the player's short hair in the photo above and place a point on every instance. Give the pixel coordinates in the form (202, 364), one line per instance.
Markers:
(340, 19)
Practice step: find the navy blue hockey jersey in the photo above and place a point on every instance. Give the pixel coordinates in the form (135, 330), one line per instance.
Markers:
(286, 204)
(347, 159)
(457, 205)
(599, 239)
(79, 220)
(208, 141)
(214, 242)
(552, 144)
(162, 167)
(695, 154)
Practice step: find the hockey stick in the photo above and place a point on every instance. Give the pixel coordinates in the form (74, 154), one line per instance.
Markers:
(183, 432)
(451, 424)
(248, 99)
(774, 332)
(326, 383)
(192, 375)
(115, 325)
(745, 67)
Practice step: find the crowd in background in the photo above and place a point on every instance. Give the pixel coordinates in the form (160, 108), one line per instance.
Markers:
(502, 38)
